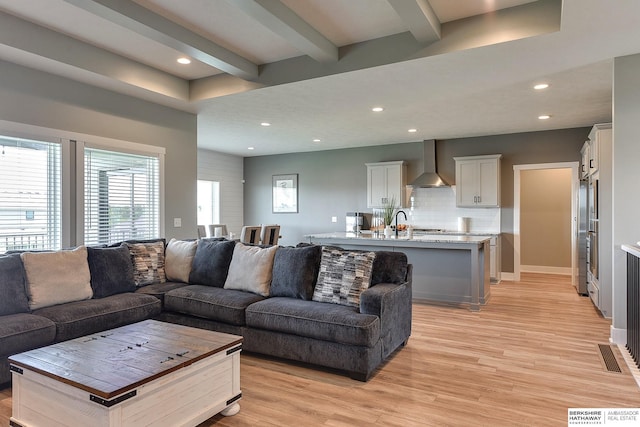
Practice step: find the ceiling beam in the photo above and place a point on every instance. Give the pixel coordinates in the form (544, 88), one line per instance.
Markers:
(283, 21)
(419, 16)
(130, 15)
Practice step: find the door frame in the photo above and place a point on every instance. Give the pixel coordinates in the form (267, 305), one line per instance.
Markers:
(575, 184)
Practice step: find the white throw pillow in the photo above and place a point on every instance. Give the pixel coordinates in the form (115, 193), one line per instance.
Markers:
(250, 269)
(178, 258)
(57, 277)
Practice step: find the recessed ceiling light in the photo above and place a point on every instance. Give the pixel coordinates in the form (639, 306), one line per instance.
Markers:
(412, 130)
(184, 61)
(544, 117)
(541, 86)
(377, 109)
(265, 124)
(250, 148)
(316, 140)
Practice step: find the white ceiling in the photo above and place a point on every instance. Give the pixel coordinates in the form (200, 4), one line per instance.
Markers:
(474, 79)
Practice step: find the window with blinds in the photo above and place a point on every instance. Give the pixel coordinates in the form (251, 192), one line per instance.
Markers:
(30, 194)
(121, 196)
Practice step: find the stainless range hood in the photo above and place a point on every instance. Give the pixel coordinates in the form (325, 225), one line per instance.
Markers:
(430, 177)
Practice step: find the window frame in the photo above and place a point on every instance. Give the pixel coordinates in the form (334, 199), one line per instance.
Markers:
(120, 147)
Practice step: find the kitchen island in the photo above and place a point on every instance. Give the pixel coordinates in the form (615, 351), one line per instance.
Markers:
(447, 268)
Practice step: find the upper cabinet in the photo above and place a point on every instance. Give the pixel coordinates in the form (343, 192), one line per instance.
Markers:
(591, 149)
(586, 156)
(386, 181)
(478, 181)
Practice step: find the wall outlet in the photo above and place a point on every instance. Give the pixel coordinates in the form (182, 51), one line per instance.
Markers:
(334, 219)
(177, 222)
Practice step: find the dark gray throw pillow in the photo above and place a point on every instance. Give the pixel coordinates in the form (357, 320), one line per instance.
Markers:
(211, 262)
(389, 267)
(295, 271)
(111, 271)
(13, 296)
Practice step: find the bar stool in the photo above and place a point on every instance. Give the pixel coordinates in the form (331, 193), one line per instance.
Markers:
(250, 234)
(269, 234)
(202, 232)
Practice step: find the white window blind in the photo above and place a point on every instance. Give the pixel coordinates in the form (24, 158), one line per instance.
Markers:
(121, 196)
(30, 194)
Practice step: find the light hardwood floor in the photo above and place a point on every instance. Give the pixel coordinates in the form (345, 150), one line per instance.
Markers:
(526, 358)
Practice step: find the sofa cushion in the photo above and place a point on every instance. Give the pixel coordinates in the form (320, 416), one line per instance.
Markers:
(211, 262)
(328, 322)
(111, 271)
(250, 269)
(159, 289)
(178, 259)
(295, 271)
(148, 262)
(222, 305)
(13, 295)
(21, 332)
(343, 276)
(57, 277)
(80, 318)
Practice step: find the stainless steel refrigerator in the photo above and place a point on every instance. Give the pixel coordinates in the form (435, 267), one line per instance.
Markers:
(583, 229)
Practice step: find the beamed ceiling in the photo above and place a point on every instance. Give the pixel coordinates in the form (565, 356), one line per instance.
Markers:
(313, 69)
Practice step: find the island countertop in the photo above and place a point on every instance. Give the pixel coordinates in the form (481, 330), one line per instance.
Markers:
(436, 240)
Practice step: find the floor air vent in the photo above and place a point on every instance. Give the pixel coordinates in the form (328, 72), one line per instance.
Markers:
(608, 358)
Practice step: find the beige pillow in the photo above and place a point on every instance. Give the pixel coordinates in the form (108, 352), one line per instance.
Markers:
(57, 277)
(250, 269)
(178, 257)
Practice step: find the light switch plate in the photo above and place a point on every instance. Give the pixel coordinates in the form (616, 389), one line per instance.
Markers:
(334, 219)
(177, 222)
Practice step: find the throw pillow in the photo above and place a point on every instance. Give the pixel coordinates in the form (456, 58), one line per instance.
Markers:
(111, 271)
(211, 262)
(148, 262)
(295, 271)
(343, 276)
(250, 269)
(57, 277)
(178, 258)
(13, 295)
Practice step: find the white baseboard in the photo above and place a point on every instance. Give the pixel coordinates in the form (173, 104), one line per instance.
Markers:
(507, 276)
(545, 269)
(618, 336)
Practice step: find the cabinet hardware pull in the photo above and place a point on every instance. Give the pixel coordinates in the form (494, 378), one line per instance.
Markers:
(590, 163)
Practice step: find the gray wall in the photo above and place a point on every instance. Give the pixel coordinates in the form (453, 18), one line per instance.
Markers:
(330, 183)
(626, 176)
(334, 182)
(69, 108)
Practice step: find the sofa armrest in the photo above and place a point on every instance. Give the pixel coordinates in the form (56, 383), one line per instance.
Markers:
(392, 304)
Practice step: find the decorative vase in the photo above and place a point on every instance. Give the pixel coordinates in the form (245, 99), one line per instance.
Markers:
(387, 231)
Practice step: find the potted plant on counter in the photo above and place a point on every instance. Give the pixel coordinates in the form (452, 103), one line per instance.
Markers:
(388, 209)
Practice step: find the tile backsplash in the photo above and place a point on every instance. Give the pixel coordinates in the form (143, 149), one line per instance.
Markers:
(436, 208)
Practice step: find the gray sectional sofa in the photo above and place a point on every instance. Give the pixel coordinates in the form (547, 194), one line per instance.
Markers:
(346, 310)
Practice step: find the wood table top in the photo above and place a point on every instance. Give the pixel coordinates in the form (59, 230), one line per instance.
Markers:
(112, 362)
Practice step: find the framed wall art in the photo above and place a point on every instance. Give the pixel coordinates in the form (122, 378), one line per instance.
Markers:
(285, 193)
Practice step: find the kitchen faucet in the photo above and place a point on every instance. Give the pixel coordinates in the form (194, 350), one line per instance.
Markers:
(405, 218)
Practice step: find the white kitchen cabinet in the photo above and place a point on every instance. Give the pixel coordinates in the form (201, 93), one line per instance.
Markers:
(386, 180)
(478, 181)
(586, 156)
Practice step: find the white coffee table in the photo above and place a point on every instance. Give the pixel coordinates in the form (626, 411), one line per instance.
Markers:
(149, 373)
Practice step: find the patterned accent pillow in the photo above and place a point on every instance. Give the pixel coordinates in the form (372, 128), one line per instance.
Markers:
(343, 276)
(148, 262)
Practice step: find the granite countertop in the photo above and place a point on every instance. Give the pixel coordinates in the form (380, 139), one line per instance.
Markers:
(367, 236)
